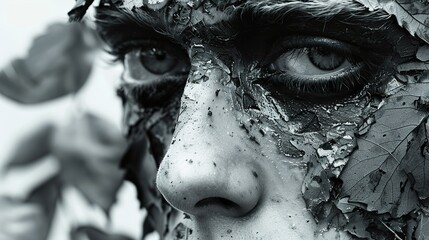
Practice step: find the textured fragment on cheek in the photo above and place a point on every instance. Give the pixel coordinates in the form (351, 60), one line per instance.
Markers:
(179, 13)
(320, 137)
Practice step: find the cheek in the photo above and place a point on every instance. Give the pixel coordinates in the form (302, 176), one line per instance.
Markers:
(307, 145)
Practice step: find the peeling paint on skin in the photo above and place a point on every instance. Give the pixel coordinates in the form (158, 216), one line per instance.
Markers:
(315, 140)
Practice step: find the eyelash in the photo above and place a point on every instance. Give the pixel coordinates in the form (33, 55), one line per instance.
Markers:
(340, 85)
(298, 41)
(151, 94)
(154, 95)
(119, 51)
(336, 86)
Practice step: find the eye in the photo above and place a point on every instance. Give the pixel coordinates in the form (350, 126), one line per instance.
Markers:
(311, 61)
(155, 72)
(316, 67)
(148, 62)
(157, 60)
(325, 59)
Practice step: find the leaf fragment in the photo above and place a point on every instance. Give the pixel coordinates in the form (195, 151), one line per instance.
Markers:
(387, 172)
(413, 15)
(79, 10)
(422, 231)
(130, 4)
(423, 53)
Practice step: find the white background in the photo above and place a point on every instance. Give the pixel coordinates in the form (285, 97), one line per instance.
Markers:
(20, 22)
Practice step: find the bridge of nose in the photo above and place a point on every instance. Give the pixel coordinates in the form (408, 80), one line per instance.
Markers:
(206, 168)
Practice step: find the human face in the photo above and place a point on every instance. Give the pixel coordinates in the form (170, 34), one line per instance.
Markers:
(251, 108)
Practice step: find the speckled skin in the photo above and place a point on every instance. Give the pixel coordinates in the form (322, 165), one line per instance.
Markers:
(226, 137)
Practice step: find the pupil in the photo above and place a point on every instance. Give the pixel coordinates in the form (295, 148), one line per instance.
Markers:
(157, 61)
(323, 52)
(325, 59)
(159, 54)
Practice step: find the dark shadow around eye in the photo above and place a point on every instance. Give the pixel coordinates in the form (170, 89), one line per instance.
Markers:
(155, 72)
(318, 68)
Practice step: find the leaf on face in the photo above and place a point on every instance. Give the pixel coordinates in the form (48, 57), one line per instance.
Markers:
(79, 10)
(422, 231)
(369, 225)
(412, 66)
(89, 150)
(388, 170)
(130, 4)
(357, 225)
(317, 188)
(141, 169)
(413, 15)
(59, 62)
(423, 53)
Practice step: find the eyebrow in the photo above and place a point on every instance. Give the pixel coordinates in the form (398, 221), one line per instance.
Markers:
(116, 24)
(313, 8)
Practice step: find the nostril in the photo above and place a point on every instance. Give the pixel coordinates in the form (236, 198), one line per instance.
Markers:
(217, 201)
(220, 206)
(204, 189)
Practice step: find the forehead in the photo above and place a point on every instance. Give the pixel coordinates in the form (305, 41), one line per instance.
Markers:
(185, 12)
(209, 20)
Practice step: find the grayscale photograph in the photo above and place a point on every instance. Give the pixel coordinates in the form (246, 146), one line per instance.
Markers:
(214, 120)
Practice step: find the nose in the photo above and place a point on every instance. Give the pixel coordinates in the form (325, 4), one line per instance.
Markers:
(207, 169)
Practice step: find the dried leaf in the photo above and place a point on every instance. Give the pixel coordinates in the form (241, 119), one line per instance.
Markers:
(92, 233)
(422, 231)
(413, 66)
(158, 4)
(423, 53)
(58, 63)
(358, 224)
(388, 170)
(413, 15)
(317, 188)
(89, 150)
(130, 4)
(141, 170)
(79, 10)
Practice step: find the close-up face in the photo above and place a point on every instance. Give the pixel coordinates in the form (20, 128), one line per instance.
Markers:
(274, 119)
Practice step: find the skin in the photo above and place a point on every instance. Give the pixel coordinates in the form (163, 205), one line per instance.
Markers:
(222, 161)
(237, 170)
